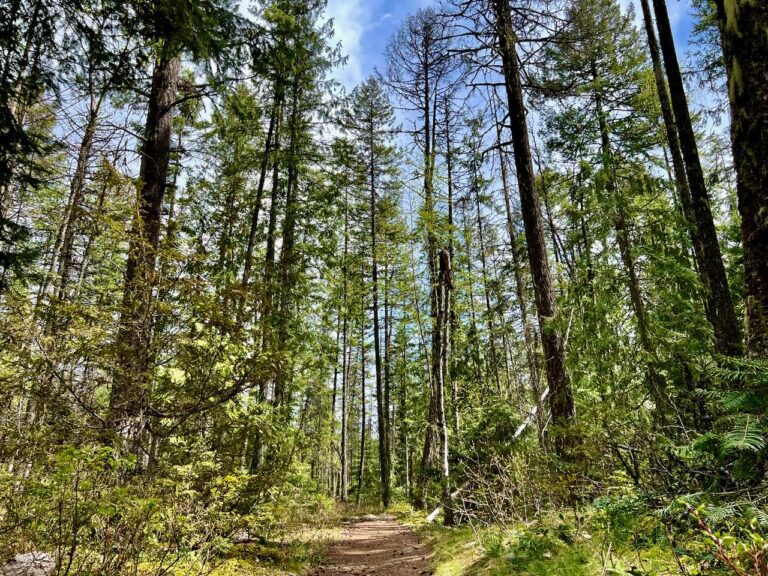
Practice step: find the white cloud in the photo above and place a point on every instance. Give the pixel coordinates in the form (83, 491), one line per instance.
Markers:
(350, 20)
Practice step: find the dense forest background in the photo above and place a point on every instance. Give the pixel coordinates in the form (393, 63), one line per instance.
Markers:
(515, 277)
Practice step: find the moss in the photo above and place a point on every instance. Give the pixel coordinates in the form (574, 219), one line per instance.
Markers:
(735, 82)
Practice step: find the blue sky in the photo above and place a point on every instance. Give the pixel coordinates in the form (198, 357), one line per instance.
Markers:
(364, 27)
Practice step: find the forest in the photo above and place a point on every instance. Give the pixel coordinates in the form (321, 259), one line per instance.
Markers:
(501, 308)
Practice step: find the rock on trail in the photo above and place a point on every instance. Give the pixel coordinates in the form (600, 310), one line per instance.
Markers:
(377, 546)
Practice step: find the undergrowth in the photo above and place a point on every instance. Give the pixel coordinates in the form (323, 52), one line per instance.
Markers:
(610, 536)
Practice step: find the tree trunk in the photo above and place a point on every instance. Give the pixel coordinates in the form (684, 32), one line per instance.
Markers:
(720, 309)
(288, 260)
(404, 428)
(444, 286)
(744, 33)
(454, 322)
(61, 258)
(384, 465)
(361, 466)
(528, 339)
(344, 448)
(561, 396)
(431, 436)
(268, 287)
(388, 407)
(129, 398)
(670, 128)
(269, 145)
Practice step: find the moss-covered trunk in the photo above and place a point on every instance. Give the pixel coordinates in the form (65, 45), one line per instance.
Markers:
(744, 32)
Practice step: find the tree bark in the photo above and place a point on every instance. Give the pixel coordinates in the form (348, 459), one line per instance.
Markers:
(404, 428)
(670, 129)
(453, 381)
(444, 286)
(744, 34)
(431, 436)
(384, 464)
(266, 304)
(344, 448)
(288, 259)
(361, 466)
(517, 267)
(388, 406)
(61, 258)
(269, 144)
(129, 398)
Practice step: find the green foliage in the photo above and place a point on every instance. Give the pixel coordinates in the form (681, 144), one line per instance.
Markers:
(730, 536)
(236, 447)
(204, 28)
(87, 505)
(736, 443)
(487, 435)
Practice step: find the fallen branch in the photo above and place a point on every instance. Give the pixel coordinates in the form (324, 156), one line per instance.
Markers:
(531, 415)
(436, 511)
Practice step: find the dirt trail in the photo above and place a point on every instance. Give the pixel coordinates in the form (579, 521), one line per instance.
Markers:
(378, 546)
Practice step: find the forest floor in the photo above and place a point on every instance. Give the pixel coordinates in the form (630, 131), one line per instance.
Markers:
(377, 546)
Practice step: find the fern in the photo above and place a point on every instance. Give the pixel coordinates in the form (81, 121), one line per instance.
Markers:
(749, 372)
(734, 401)
(758, 514)
(718, 514)
(747, 434)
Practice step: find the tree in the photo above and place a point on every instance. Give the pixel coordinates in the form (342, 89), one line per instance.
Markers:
(419, 69)
(348, 176)
(671, 133)
(744, 41)
(204, 29)
(520, 284)
(444, 285)
(27, 45)
(561, 395)
(310, 59)
(599, 60)
(97, 70)
(476, 188)
(720, 309)
(370, 124)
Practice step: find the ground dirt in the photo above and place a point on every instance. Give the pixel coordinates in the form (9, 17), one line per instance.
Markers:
(376, 546)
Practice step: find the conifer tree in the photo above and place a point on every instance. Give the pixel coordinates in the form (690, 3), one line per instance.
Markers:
(720, 308)
(370, 124)
(204, 29)
(561, 395)
(744, 40)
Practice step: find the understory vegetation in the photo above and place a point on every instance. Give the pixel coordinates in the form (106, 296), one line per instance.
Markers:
(512, 286)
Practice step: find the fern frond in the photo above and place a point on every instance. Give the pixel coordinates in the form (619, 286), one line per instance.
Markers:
(746, 371)
(734, 401)
(717, 514)
(747, 434)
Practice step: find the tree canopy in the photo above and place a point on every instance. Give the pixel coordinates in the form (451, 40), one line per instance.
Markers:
(517, 279)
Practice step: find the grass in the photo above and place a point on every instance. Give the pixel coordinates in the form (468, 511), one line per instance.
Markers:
(550, 546)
